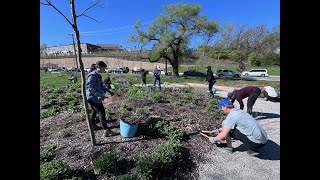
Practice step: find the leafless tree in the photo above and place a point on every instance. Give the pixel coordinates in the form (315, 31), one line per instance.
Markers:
(74, 26)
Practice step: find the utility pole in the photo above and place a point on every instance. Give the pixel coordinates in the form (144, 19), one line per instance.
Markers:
(74, 49)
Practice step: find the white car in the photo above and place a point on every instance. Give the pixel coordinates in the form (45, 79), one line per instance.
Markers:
(255, 72)
(87, 69)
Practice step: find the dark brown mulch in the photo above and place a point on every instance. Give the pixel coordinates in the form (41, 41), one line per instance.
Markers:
(71, 132)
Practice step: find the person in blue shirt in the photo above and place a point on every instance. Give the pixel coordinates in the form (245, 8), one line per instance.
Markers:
(95, 90)
(241, 126)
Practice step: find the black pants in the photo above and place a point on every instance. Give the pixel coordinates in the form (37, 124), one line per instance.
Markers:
(211, 83)
(98, 108)
(236, 134)
(144, 80)
(252, 99)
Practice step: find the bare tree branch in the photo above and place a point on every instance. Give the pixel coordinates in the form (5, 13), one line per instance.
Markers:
(88, 8)
(91, 18)
(50, 4)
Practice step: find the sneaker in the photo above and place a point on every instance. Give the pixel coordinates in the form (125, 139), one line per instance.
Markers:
(228, 149)
(95, 127)
(108, 132)
(252, 153)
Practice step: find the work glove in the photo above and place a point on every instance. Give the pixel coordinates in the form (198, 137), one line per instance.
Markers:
(98, 95)
(211, 139)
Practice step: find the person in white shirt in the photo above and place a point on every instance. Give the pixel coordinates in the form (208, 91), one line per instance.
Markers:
(269, 94)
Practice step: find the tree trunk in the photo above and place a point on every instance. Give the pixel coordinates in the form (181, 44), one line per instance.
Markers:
(175, 68)
(83, 90)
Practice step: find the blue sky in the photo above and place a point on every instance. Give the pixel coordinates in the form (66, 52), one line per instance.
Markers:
(118, 16)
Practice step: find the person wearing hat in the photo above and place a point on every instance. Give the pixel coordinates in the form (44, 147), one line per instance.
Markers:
(210, 79)
(95, 90)
(240, 126)
(252, 92)
(156, 77)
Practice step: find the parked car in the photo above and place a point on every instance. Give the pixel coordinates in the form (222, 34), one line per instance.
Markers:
(256, 72)
(227, 73)
(194, 73)
(125, 69)
(52, 69)
(136, 70)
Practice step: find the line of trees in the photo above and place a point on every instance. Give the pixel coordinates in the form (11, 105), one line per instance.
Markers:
(257, 45)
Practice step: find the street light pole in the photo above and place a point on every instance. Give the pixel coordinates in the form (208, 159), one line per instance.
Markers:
(74, 49)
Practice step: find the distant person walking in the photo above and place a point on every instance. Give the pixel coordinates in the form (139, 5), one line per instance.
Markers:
(210, 79)
(252, 92)
(156, 77)
(95, 94)
(144, 77)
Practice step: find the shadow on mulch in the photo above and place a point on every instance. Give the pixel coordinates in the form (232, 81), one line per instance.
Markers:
(84, 174)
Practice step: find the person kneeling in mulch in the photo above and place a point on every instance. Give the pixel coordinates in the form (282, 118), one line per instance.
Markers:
(241, 126)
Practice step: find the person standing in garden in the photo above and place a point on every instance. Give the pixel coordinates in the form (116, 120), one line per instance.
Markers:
(144, 77)
(95, 90)
(156, 77)
(210, 79)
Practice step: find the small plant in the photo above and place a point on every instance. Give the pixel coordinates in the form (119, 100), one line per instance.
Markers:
(166, 154)
(144, 167)
(124, 110)
(105, 163)
(155, 96)
(108, 115)
(186, 89)
(54, 170)
(46, 154)
(213, 104)
(128, 177)
(173, 133)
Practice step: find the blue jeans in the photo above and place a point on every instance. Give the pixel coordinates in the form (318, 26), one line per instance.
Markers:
(155, 80)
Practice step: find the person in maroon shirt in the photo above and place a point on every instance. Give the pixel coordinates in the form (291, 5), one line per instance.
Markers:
(252, 92)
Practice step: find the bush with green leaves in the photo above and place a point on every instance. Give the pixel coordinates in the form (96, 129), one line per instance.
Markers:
(54, 170)
(105, 163)
(144, 167)
(128, 177)
(212, 106)
(51, 111)
(167, 153)
(124, 109)
(186, 89)
(154, 96)
(46, 154)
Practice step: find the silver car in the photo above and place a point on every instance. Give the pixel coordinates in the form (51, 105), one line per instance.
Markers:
(227, 73)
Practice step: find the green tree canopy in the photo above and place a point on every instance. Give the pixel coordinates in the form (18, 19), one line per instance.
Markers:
(171, 31)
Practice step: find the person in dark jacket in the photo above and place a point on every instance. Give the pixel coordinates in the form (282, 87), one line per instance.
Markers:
(95, 94)
(252, 92)
(156, 77)
(210, 79)
(143, 77)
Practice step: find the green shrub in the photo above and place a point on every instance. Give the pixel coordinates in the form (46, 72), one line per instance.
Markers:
(124, 110)
(51, 111)
(105, 163)
(213, 104)
(144, 167)
(128, 177)
(155, 96)
(54, 170)
(186, 89)
(173, 133)
(166, 154)
(46, 154)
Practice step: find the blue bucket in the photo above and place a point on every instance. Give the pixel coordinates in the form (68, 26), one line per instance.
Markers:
(214, 90)
(127, 130)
